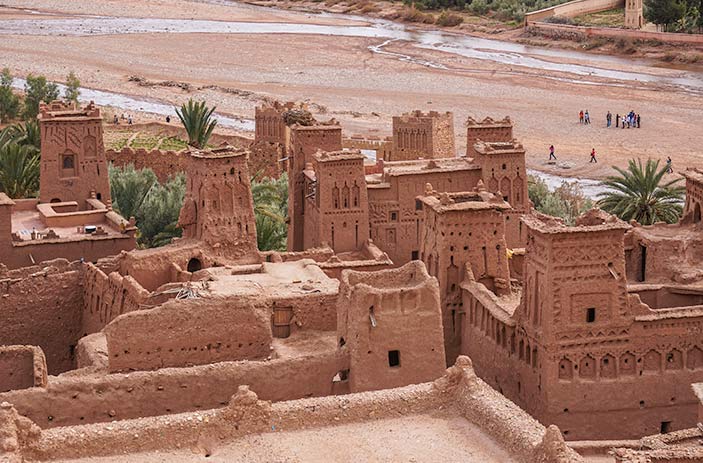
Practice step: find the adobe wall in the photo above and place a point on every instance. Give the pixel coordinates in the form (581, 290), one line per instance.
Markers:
(108, 296)
(199, 331)
(423, 135)
(73, 163)
(390, 324)
(89, 248)
(21, 367)
(562, 31)
(401, 238)
(43, 309)
(487, 130)
(72, 400)
(573, 9)
(304, 142)
(164, 164)
(245, 413)
(694, 196)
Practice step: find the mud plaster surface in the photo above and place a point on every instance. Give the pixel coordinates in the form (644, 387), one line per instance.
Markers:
(420, 438)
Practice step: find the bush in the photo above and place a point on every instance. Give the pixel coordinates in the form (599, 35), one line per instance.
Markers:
(566, 201)
(447, 19)
(9, 102)
(36, 90)
(559, 20)
(413, 15)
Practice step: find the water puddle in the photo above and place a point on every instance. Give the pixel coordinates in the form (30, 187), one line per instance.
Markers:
(590, 188)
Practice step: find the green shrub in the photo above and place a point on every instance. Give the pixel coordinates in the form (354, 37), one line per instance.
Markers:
(447, 19)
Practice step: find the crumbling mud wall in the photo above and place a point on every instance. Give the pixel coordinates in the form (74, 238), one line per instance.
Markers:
(200, 331)
(82, 399)
(164, 164)
(21, 367)
(108, 296)
(459, 390)
(42, 306)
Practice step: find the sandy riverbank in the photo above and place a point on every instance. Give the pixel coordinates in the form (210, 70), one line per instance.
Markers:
(363, 89)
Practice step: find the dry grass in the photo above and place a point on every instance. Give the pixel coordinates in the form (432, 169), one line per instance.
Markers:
(447, 19)
(413, 15)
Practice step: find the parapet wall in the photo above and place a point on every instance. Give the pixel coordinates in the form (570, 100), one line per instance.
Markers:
(21, 367)
(165, 164)
(244, 414)
(200, 331)
(108, 296)
(97, 398)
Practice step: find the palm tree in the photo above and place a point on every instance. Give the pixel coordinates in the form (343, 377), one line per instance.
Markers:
(270, 209)
(197, 119)
(639, 193)
(19, 170)
(27, 133)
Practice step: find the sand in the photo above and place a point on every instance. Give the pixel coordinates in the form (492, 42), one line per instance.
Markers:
(363, 89)
(420, 438)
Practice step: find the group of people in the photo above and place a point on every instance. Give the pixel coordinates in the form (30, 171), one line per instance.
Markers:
(629, 120)
(128, 118)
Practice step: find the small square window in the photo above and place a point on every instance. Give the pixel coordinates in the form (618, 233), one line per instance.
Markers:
(590, 315)
(414, 255)
(393, 358)
(394, 216)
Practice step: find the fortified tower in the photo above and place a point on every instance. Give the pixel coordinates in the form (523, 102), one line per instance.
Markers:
(634, 18)
(487, 130)
(218, 207)
(504, 173)
(269, 124)
(460, 229)
(390, 325)
(304, 142)
(694, 196)
(73, 163)
(423, 135)
(337, 204)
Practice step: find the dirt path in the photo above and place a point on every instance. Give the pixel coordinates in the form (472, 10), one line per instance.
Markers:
(364, 89)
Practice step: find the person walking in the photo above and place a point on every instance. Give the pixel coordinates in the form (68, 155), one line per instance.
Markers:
(168, 119)
(638, 121)
(617, 121)
(586, 118)
(551, 153)
(593, 156)
(581, 117)
(623, 121)
(669, 169)
(129, 119)
(608, 119)
(115, 120)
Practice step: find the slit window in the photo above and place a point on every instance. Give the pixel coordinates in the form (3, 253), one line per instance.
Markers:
(590, 315)
(394, 358)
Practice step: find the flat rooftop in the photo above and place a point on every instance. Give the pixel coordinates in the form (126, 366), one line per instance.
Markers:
(274, 280)
(24, 221)
(414, 438)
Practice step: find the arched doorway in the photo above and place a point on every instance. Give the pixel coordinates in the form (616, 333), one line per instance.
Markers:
(194, 265)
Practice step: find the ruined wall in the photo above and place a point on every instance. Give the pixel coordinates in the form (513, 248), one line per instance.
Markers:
(73, 162)
(43, 309)
(218, 208)
(164, 164)
(423, 135)
(194, 332)
(84, 399)
(390, 324)
(107, 296)
(21, 367)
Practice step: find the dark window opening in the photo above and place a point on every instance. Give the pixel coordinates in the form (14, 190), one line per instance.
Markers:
(342, 341)
(590, 315)
(393, 358)
(194, 265)
(68, 162)
(394, 216)
(99, 196)
(418, 205)
(414, 255)
(665, 427)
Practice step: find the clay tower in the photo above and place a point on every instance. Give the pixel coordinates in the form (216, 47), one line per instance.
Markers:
(337, 209)
(305, 141)
(634, 18)
(423, 135)
(218, 208)
(73, 164)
